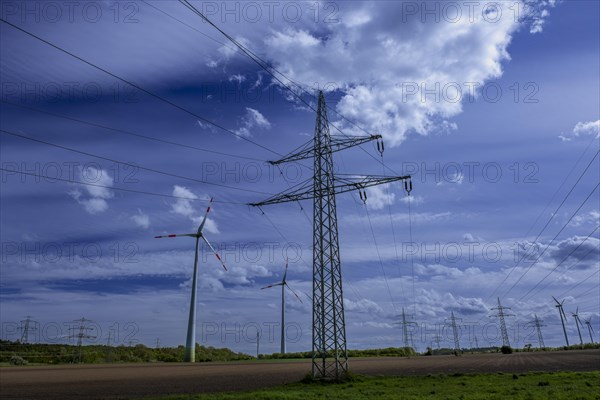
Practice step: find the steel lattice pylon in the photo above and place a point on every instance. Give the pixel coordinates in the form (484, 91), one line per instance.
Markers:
(405, 324)
(455, 333)
(538, 327)
(501, 314)
(330, 357)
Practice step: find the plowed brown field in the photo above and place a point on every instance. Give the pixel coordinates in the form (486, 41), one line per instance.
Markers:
(143, 380)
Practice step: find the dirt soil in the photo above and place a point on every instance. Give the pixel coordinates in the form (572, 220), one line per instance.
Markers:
(145, 380)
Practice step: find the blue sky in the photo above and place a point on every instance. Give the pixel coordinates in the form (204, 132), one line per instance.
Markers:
(489, 170)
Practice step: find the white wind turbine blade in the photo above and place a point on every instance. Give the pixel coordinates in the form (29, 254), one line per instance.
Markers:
(176, 235)
(291, 290)
(205, 216)
(215, 252)
(273, 285)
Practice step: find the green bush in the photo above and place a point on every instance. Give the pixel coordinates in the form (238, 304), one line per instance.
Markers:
(506, 350)
(18, 360)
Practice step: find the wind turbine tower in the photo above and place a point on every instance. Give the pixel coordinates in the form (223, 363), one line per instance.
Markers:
(501, 314)
(578, 322)
(190, 343)
(257, 344)
(563, 317)
(588, 322)
(283, 285)
(329, 351)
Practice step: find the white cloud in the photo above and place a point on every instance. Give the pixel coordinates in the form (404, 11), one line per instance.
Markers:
(94, 205)
(379, 197)
(183, 206)
(591, 217)
(255, 118)
(385, 69)
(362, 306)
(564, 138)
(457, 178)
(587, 128)
(239, 78)
(469, 238)
(252, 119)
(237, 275)
(93, 198)
(142, 220)
(536, 12)
(414, 200)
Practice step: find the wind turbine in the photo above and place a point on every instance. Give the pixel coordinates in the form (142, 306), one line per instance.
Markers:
(578, 322)
(190, 344)
(563, 317)
(283, 285)
(588, 322)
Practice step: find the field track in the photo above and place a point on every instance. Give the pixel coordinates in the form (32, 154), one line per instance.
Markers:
(143, 380)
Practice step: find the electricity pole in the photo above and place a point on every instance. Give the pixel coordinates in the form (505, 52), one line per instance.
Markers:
(437, 339)
(538, 327)
(26, 328)
(81, 334)
(501, 314)
(405, 334)
(455, 333)
(329, 351)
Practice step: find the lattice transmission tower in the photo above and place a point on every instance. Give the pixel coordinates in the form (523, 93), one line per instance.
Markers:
(538, 327)
(405, 335)
(501, 314)
(81, 332)
(455, 335)
(27, 326)
(329, 352)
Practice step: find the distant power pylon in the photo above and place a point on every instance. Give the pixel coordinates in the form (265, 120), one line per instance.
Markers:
(27, 328)
(538, 327)
(455, 332)
(81, 333)
(405, 334)
(501, 314)
(563, 317)
(436, 340)
(329, 351)
(157, 343)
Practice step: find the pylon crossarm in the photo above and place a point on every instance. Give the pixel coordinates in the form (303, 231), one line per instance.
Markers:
(338, 143)
(303, 191)
(342, 184)
(346, 183)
